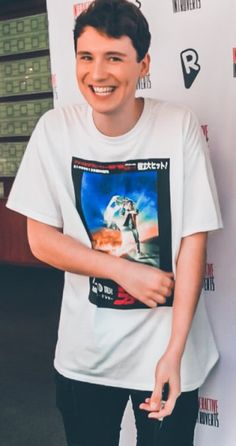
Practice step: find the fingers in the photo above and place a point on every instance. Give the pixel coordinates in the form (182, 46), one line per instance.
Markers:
(166, 406)
(161, 291)
(159, 296)
(167, 284)
(149, 285)
(151, 303)
(169, 290)
(165, 410)
(153, 403)
(160, 406)
(157, 408)
(155, 300)
(169, 274)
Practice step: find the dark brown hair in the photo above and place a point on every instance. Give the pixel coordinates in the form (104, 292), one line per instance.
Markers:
(116, 18)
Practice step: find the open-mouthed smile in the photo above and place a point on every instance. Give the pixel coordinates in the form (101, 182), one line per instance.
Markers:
(102, 91)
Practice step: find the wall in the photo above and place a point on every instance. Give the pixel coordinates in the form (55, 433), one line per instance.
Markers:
(204, 33)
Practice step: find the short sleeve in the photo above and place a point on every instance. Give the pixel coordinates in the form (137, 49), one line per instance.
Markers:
(201, 211)
(34, 192)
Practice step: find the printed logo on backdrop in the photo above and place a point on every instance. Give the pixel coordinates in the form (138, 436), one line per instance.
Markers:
(208, 412)
(80, 7)
(138, 4)
(144, 83)
(209, 279)
(190, 66)
(205, 131)
(234, 62)
(186, 5)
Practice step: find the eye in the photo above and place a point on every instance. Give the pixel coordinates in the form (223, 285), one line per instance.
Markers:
(85, 57)
(115, 59)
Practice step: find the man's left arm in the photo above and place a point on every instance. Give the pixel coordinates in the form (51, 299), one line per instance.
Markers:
(188, 285)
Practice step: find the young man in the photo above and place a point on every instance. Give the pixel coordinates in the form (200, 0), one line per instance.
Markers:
(129, 324)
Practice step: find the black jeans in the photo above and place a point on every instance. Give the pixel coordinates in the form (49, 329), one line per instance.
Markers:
(92, 415)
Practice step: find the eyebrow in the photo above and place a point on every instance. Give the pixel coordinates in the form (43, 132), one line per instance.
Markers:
(108, 53)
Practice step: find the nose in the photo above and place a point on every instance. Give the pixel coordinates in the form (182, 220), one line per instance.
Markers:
(99, 71)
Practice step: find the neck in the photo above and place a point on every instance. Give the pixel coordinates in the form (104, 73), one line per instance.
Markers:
(117, 124)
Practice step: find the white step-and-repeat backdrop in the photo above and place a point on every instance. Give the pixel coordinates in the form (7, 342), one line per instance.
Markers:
(194, 63)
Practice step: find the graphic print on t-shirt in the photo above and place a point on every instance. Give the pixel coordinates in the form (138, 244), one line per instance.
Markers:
(125, 208)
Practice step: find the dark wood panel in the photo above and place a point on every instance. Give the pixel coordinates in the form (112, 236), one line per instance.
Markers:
(20, 8)
(14, 246)
(7, 184)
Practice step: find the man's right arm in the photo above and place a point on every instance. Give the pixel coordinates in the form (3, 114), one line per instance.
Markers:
(148, 284)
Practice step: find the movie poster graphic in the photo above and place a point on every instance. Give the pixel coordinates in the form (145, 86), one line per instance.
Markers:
(125, 208)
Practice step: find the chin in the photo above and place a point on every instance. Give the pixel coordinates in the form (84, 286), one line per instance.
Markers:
(102, 109)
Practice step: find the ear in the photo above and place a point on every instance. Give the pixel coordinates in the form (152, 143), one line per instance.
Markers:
(145, 65)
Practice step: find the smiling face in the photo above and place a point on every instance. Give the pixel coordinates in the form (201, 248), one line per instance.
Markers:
(107, 73)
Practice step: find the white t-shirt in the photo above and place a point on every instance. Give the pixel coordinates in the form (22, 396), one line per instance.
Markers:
(135, 196)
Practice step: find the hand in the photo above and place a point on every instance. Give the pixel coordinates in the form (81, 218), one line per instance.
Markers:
(167, 371)
(148, 284)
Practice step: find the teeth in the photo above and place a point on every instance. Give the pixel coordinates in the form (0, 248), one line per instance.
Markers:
(103, 90)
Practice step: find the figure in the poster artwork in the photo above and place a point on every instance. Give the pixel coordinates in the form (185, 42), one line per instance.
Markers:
(121, 213)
